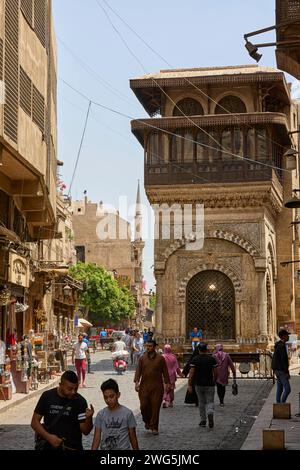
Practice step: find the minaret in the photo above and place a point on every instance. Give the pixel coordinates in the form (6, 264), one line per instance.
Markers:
(138, 216)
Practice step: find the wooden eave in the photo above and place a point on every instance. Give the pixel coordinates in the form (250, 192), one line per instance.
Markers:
(138, 127)
(288, 30)
(148, 91)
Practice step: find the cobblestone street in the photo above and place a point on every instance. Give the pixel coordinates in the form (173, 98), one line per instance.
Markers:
(179, 428)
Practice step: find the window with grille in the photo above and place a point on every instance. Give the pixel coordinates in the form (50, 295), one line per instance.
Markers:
(230, 104)
(210, 305)
(188, 107)
(38, 108)
(40, 20)
(25, 92)
(27, 10)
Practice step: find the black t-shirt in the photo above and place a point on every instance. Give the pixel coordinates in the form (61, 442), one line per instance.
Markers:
(204, 365)
(68, 424)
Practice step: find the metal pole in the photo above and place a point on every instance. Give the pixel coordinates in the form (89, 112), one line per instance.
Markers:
(298, 414)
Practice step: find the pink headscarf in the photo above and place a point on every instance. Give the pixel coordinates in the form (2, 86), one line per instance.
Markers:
(219, 353)
(171, 361)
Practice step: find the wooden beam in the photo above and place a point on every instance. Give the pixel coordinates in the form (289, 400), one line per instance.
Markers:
(26, 188)
(33, 204)
(5, 183)
(37, 217)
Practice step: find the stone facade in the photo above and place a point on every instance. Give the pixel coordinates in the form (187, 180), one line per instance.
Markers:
(246, 233)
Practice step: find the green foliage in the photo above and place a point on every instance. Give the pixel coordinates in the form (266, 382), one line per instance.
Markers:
(152, 300)
(102, 295)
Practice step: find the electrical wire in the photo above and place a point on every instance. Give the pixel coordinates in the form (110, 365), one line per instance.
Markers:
(152, 126)
(163, 91)
(80, 146)
(172, 67)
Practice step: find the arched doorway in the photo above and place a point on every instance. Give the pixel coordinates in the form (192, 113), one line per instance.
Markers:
(210, 305)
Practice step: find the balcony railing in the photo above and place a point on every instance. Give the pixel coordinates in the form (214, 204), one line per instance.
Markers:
(205, 173)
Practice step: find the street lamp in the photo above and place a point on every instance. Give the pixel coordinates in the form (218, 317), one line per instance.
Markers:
(293, 203)
(67, 291)
(253, 48)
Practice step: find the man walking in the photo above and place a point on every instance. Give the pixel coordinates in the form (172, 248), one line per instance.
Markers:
(149, 375)
(280, 366)
(80, 354)
(203, 374)
(66, 415)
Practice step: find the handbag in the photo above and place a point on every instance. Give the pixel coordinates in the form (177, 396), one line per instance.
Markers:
(235, 388)
(40, 442)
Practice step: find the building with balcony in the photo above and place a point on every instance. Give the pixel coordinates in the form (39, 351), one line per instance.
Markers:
(28, 141)
(216, 137)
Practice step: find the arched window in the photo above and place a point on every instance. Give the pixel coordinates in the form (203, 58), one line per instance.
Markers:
(210, 305)
(230, 104)
(188, 147)
(189, 107)
(202, 138)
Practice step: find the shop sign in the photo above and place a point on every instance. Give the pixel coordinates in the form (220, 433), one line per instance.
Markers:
(18, 270)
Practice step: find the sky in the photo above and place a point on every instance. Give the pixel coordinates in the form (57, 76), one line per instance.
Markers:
(94, 58)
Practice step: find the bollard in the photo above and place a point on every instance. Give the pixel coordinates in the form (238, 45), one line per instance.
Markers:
(298, 414)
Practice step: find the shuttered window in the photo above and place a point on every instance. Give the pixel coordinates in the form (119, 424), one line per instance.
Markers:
(40, 20)
(38, 108)
(25, 92)
(11, 69)
(1, 59)
(27, 10)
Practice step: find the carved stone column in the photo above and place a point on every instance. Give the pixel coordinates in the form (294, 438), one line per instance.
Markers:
(158, 307)
(238, 321)
(262, 306)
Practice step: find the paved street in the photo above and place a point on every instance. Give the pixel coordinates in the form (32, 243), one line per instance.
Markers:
(178, 426)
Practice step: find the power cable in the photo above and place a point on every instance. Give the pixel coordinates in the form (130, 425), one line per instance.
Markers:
(169, 132)
(80, 146)
(163, 91)
(172, 67)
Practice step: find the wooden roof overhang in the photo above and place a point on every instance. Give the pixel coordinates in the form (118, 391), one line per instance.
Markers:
(142, 127)
(288, 31)
(148, 90)
(27, 185)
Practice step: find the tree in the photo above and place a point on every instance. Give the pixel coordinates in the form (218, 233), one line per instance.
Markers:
(152, 299)
(102, 295)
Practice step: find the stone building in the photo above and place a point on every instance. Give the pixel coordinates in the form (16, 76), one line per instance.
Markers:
(216, 136)
(104, 238)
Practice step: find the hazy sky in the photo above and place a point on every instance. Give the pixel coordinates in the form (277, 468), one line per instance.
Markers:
(93, 59)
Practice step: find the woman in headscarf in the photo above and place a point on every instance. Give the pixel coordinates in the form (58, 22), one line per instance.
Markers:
(174, 370)
(224, 364)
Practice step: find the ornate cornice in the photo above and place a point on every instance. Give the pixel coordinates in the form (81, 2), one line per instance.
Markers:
(258, 197)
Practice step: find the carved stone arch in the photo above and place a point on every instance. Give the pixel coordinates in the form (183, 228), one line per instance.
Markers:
(228, 93)
(212, 267)
(220, 234)
(234, 238)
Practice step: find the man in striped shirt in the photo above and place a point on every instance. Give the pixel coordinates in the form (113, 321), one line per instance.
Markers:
(66, 415)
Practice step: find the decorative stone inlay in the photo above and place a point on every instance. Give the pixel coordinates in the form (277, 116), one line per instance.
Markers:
(250, 231)
(234, 238)
(215, 267)
(220, 234)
